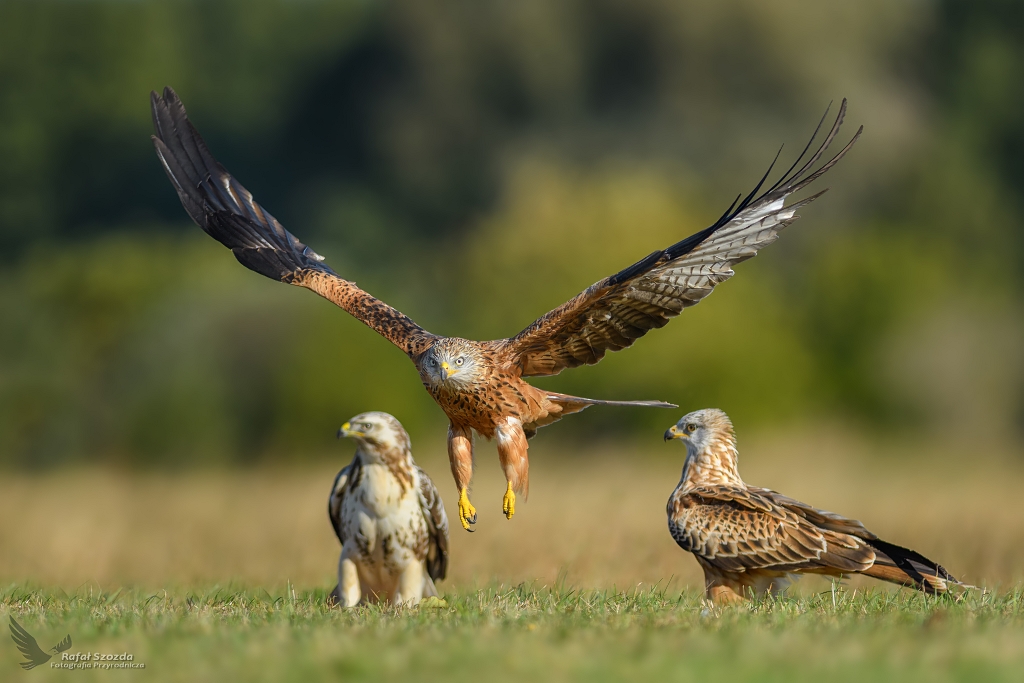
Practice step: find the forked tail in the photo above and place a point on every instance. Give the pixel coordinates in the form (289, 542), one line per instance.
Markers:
(909, 568)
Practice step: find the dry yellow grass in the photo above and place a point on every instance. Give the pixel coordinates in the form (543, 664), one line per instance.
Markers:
(593, 519)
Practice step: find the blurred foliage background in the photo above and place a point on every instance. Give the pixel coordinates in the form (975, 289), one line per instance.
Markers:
(477, 163)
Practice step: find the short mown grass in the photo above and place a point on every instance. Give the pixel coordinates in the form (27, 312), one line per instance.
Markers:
(223, 575)
(526, 633)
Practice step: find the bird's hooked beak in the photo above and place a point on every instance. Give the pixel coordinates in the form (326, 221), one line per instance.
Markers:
(674, 432)
(347, 431)
(446, 371)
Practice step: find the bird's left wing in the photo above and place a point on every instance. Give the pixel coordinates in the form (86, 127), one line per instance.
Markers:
(437, 521)
(738, 530)
(616, 311)
(227, 212)
(348, 476)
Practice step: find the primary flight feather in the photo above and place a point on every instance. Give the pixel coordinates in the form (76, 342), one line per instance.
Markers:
(479, 385)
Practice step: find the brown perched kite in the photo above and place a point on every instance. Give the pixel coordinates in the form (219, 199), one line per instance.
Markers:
(479, 385)
(752, 541)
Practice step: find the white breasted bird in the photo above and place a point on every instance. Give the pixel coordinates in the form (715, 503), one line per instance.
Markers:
(389, 518)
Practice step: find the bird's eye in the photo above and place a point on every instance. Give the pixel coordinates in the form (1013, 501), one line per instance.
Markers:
(459, 361)
(433, 362)
(367, 426)
(691, 428)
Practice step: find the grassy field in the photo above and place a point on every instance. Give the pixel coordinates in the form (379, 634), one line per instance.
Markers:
(204, 574)
(528, 634)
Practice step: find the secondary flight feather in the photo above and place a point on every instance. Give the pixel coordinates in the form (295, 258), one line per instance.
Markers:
(480, 385)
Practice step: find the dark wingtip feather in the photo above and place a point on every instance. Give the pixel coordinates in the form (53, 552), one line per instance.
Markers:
(915, 565)
(790, 181)
(218, 203)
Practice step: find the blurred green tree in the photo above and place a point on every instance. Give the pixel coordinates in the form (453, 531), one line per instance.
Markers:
(441, 151)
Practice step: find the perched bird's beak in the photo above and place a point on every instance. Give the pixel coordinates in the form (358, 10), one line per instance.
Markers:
(346, 430)
(673, 433)
(446, 371)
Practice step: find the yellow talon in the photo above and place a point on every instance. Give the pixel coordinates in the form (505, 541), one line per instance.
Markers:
(467, 513)
(508, 503)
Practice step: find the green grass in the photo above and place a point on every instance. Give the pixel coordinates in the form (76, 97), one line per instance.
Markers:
(528, 634)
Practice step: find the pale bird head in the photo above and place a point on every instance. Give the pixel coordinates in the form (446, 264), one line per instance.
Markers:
(700, 429)
(376, 432)
(452, 363)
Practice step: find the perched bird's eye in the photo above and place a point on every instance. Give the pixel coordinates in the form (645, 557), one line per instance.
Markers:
(459, 360)
(433, 362)
(691, 428)
(367, 426)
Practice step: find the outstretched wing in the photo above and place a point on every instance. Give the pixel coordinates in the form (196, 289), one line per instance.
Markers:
(348, 477)
(737, 530)
(229, 214)
(437, 522)
(613, 313)
(28, 646)
(62, 645)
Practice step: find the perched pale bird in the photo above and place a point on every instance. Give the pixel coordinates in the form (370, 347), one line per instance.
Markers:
(389, 518)
(480, 385)
(753, 541)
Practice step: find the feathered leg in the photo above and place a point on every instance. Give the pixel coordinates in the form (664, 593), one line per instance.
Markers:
(460, 455)
(349, 591)
(719, 589)
(720, 594)
(513, 454)
(410, 584)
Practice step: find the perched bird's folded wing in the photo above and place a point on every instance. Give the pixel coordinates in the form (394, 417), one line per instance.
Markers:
(819, 518)
(616, 311)
(738, 530)
(227, 212)
(27, 645)
(339, 489)
(437, 521)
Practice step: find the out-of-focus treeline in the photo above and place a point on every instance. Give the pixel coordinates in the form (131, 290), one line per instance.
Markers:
(477, 163)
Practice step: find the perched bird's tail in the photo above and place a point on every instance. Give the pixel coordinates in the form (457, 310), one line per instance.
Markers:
(906, 567)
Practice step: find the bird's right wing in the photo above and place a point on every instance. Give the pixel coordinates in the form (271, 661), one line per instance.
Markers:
(229, 214)
(349, 475)
(738, 529)
(614, 312)
(27, 645)
(437, 521)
